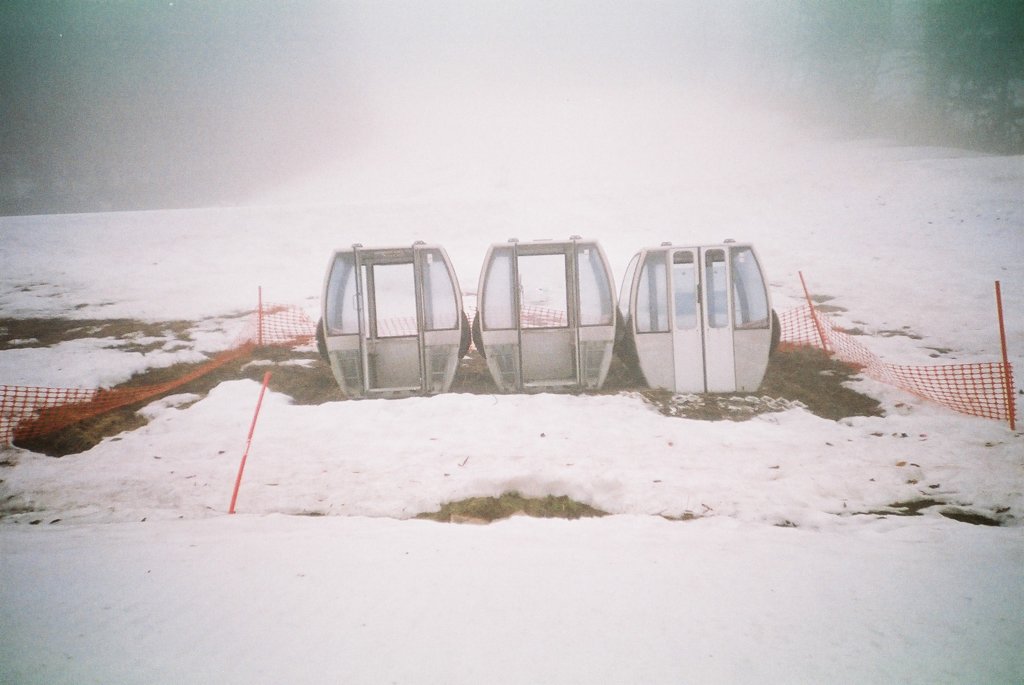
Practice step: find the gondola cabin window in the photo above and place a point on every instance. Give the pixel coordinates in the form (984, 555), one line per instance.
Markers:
(499, 305)
(717, 286)
(652, 295)
(342, 300)
(543, 297)
(750, 299)
(684, 285)
(596, 308)
(440, 307)
(393, 288)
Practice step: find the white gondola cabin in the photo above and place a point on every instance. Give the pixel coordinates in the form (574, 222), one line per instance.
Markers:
(698, 319)
(392, 321)
(546, 315)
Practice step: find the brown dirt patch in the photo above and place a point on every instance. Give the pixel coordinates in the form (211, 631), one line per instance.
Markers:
(914, 508)
(21, 333)
(312, 384)
(810, 376)
(488, 509)
(803, 375)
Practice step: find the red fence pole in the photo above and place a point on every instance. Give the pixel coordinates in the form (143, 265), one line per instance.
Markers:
(248, 442)
(1011, 408)
(814, 314)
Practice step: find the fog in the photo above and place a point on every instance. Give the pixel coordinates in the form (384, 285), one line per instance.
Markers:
(146, 105)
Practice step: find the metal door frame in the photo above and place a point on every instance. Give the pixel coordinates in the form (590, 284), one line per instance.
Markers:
(369, 330)
(714, 337)
(696, 334)
(567, 250)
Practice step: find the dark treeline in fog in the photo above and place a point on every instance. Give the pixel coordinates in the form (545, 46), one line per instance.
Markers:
(940, 71)
(974, 52)
(145, 104)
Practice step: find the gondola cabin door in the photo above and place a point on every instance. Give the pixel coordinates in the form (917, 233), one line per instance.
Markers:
(547, 343)
(391, 341)
(393, 320)
(700, 319)
(546, 318)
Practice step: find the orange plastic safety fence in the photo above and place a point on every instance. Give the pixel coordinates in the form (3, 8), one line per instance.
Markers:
(532, 316)
(27, 412)
(979, 389)
(281, 325)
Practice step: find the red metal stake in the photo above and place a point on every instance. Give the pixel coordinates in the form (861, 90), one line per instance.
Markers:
(814, 314)
(248, 442)
(1011, 407)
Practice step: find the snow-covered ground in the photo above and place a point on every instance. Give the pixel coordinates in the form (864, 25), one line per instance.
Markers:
(135, 573)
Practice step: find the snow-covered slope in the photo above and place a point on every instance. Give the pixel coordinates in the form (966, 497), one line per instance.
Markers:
(134, 572)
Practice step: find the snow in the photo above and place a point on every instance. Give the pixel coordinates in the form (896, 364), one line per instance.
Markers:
(627, 599)
(135, 573)
(91, 362)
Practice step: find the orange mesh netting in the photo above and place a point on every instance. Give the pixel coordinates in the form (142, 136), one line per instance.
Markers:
(281, 325)
(979, 389)
(27, 412)
(532, 316)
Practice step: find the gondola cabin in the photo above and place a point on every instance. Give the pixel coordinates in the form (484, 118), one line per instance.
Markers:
(546, 315)
(698, 319)
(392, 321)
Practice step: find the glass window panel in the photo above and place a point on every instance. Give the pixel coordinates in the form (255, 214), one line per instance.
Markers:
(498, 295)
(652, 295)
(394, 298)
(342, 306)
(595, 290)
(684, 290)
(716, 285)
(543, 296)
(750, 299)
(440, 304)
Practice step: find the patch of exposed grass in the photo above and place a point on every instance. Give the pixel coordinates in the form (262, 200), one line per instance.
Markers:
(904, 332)
(795, 374)
(805, 375)
(306, 385)
(473, 377)
(811, 376)
(716, 407)
(309, 383)
(912, 507)
(84, 435)
(972, 517)
(48, 332)
(821, 306)
(916, 506)
(487, 509)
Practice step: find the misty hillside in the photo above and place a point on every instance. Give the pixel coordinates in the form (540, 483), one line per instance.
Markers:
(125, 105)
